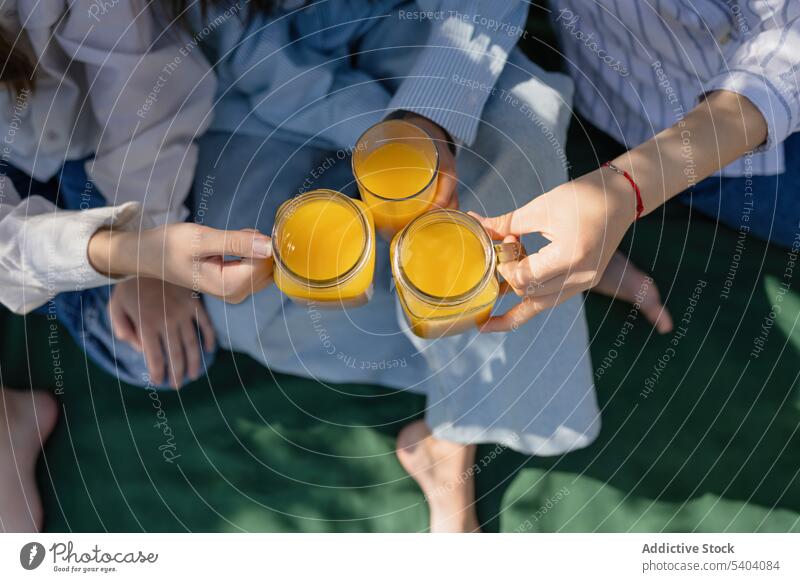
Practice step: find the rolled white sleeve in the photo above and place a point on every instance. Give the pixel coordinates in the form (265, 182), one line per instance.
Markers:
(456, 72)
(764, 69)
(43, 249)
(151, 95)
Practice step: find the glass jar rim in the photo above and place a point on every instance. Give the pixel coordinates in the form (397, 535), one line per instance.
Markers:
(291, 205)
(416, 128)
(447, 215)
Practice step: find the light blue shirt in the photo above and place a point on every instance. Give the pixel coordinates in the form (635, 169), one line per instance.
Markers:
(298, 71)
(640, 65)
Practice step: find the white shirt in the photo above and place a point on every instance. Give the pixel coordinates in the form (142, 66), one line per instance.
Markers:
(43, 249)
(641, 65)
(113, 82)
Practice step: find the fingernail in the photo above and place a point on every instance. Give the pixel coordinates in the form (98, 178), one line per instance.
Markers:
(262, 247)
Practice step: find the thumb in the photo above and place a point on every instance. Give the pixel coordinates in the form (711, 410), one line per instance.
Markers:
(249, 244)
(529, 218)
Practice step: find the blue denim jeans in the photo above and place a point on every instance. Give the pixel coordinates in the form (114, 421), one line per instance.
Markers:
(85, 313)
(771, 204)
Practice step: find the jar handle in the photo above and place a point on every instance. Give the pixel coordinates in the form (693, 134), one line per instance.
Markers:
(508, 251)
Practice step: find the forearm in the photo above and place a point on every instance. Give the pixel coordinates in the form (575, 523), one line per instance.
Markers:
(721, 129)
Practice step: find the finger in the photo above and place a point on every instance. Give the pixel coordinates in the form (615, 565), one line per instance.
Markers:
(532, 288)
(508, 268)
(123, 327)
(236, 243)
(173, 340)
(537, 274)
(447, 187)
(153, 354)
(235, 278)
(191, 348)
(530, 218)
(541, 273)
(507, 272)
(206, 329)
(523, 312)
(241, 279)
(261, 273)
(505, 288)
(453, 204)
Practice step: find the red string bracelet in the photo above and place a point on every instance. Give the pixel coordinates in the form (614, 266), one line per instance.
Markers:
(621, 172)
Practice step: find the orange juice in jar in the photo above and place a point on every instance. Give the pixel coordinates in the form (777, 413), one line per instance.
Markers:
(444, 266)
(396, 166)
(324, 249)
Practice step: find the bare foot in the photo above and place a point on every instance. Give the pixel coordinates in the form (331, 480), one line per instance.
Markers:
(623, 280)
(26, 420)
(445, 473)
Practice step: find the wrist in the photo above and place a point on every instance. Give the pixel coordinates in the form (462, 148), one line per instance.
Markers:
(648, 176)
(633, 187)
(111, 253)
(98, 251)
(612, 197)
(437, 131)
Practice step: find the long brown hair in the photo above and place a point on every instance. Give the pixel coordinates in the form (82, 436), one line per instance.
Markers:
(16, 66)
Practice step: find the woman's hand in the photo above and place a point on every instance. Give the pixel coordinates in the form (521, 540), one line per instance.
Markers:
(188, 255)
(447, 186)
(160, 313)
(584, 220)
(163, 321)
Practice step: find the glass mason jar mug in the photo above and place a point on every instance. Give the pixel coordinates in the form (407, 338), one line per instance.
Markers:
(396, 166)
(324, 249)
(444, 266)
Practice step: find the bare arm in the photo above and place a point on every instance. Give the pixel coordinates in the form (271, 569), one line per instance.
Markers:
(187, 255)
(718, 131)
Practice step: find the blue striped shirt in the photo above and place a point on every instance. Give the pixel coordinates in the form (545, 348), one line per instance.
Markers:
(640, 65)
(300, 71)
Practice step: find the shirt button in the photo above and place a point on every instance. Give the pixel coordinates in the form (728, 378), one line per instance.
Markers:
(725, 38)
(51, 135)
